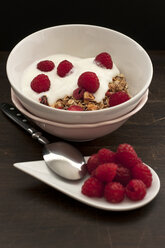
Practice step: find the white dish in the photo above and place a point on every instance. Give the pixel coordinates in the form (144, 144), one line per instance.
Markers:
(83, 41)
(39, 170)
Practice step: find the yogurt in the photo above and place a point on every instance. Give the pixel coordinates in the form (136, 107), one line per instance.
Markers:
(61, 87)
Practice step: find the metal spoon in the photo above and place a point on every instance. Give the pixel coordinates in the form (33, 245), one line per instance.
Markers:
(62, 158)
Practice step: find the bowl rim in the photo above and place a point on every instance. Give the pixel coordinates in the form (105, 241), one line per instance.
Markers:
(86, 113)
(22, 109)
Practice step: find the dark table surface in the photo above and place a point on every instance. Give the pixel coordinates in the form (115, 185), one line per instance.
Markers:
(34, 215)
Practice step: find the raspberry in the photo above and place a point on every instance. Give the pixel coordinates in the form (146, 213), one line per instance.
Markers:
(92, 163)
(118, 98)
(142, 172)
(106, 172)
(64, 68)
(106, 156)
(44, 100)
(89, 81)
(123, 175)
(75, 108)
(125, 147)
(45, 65)
(126, 155)
(114, 192)
(59, 107)
(104, 60)
(40, 83)
(108, 93)
(92, 187)
(135, 190)
(78, 93)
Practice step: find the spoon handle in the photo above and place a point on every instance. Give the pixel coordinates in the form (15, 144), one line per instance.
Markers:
(13, 113)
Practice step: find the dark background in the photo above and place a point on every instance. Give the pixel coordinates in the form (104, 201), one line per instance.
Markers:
(142, 20)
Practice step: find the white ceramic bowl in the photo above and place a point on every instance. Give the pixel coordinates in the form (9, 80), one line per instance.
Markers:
(81, 41)
(79, 132)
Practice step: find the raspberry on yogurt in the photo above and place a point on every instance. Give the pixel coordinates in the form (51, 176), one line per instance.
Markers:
(104, 60)
(89, 81)
(64, 68)
(40, 83)
(45, 65)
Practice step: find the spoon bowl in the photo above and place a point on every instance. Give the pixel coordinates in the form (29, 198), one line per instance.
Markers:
(65, 160)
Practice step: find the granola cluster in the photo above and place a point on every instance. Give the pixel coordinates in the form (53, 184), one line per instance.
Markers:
(88, 102)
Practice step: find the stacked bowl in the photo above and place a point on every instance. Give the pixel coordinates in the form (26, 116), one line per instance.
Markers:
(81, 41)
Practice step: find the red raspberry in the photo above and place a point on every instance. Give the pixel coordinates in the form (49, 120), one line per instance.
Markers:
(142, 172)
(126, 155)
(45, 65)
(106, 172)
(114, 192)
(108, 93)
(92, 163)
(104, 60)
(78, 93)
(40, 83)
(44, 100)
(135, 190)
(59, 107)
(123, 175)
(92, 187)
(106, 156)
(125, 147)
(118, 98)
(75, 108)
(89, 81)
(64, 68)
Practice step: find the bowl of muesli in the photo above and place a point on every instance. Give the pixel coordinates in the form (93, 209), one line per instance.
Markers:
(79, 132)
(79, 74)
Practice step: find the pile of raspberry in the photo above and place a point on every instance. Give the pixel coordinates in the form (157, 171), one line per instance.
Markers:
(116, 175)
(87, 81)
